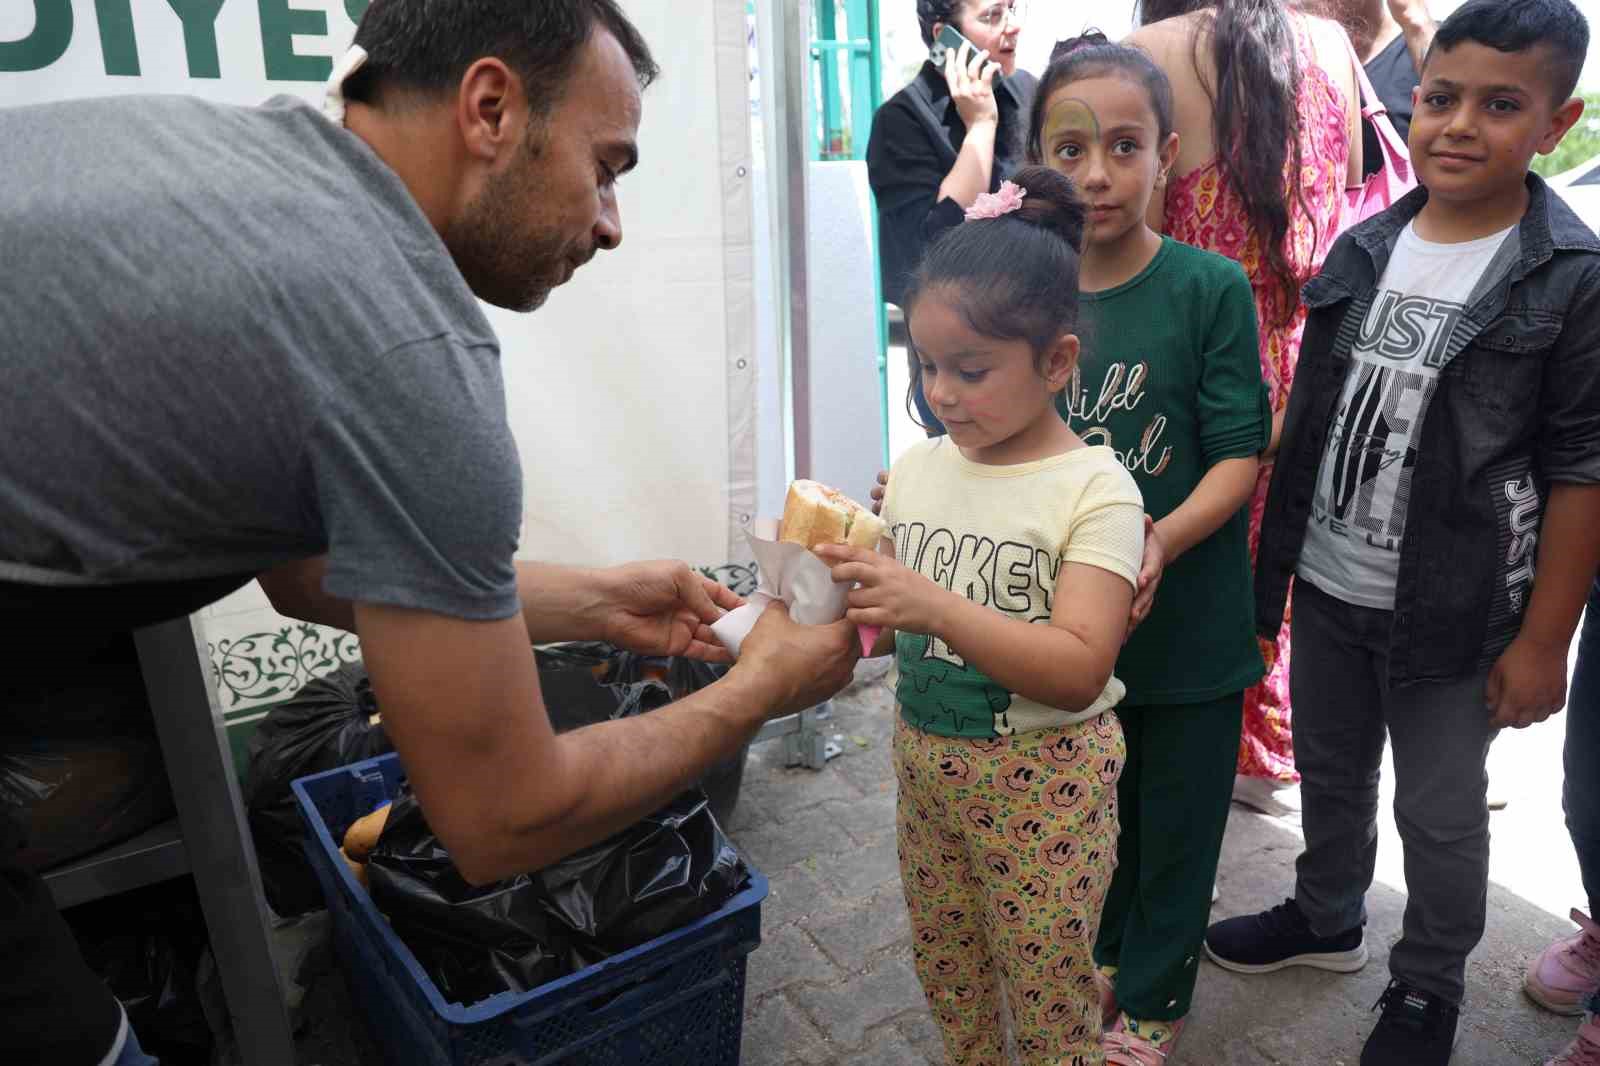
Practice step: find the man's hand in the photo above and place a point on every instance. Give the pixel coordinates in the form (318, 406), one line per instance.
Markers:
(889, 594)
(1528, 684)
(804, 664)
(878, 491)
(663, 608)
(1155, 562)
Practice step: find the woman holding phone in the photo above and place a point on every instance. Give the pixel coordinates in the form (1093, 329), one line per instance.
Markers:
(951, 134)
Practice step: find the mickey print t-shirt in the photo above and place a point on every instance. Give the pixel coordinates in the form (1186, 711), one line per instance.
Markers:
(998, 536)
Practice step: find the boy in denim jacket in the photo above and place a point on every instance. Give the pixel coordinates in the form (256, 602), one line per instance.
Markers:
(1442, 446)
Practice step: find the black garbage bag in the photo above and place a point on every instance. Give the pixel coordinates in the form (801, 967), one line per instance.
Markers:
(664, 872)
(332, 722)
(658, 875)
(68, 798)
(590, 681)
(475, 942)
(147, 946)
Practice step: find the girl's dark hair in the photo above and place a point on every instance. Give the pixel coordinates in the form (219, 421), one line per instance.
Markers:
(1011, 278)
(1091, 55)
(1254, 119)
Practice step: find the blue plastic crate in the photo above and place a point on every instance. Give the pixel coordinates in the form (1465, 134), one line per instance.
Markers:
(675, 1001)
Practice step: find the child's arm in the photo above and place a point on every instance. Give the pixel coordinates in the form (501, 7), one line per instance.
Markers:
(1233, 413)
(1064, 664)
(1225, 488)
(1529, 682)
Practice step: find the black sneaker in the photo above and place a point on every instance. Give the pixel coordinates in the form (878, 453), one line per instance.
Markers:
(1417, 1029)
(1281, 937)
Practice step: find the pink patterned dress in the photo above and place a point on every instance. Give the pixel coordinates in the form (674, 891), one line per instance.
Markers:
(1204, 210)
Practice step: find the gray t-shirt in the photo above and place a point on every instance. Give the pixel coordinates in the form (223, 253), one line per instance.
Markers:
(229, 338)
(1363, 493)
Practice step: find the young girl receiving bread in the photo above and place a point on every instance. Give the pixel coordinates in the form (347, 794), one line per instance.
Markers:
(1170, 381)
(1018, 549)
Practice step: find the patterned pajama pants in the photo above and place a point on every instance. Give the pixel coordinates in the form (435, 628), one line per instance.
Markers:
(1007, 846)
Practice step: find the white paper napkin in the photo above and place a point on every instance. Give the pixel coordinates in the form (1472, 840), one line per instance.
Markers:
(791, 573)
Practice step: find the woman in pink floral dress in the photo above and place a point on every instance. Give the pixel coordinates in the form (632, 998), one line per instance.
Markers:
(1263, 161)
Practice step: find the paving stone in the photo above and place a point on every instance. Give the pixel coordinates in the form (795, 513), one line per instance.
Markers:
(922, 1032)
(869, 868)
(775, 1033)
(797, 892)
(866, 928)
(794, 793)
(787, 957)
(868, 770)
(893, 1049)
(845, 1011)
(776, 845)
(867, 820)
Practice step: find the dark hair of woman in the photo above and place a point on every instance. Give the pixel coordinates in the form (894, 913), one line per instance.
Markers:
(1255, 122)
(1010, 278)
(933, 11)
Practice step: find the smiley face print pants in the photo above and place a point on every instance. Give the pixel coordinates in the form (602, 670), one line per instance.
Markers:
(1007, 846)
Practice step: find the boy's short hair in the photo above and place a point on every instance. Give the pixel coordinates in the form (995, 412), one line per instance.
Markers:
(1518, 25)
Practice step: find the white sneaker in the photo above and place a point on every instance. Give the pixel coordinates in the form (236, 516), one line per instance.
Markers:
(1267, 796)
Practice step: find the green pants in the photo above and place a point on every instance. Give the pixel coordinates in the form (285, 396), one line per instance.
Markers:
(1173, 803)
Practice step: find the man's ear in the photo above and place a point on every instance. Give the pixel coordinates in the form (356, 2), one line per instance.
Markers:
(1565, 117)
(491, 110)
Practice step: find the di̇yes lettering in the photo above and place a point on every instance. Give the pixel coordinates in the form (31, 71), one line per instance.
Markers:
(1018, 579)
(1121, 388)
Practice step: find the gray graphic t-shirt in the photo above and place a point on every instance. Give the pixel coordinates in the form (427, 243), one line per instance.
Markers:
(1358, 515)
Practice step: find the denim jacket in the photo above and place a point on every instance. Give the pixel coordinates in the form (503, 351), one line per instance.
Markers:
(1517, 407)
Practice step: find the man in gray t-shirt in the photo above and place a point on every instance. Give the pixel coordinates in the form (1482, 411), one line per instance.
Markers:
(245, 342)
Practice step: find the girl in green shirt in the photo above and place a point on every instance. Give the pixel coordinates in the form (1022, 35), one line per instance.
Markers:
(1169, 378)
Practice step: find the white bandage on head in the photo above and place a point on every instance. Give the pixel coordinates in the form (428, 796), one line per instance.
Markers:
(333, 98)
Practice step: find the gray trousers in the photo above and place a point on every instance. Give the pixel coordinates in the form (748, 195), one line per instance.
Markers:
(1441, 735)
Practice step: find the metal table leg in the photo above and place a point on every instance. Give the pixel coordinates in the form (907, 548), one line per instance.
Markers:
(211, 812)
(804, 742)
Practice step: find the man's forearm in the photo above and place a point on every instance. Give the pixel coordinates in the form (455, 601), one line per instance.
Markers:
(1569, 555)
(612, 774)
(558, 602)
(561, 602)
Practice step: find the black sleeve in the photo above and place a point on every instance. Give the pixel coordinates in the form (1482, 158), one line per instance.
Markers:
(1569, 425)
(905, 169)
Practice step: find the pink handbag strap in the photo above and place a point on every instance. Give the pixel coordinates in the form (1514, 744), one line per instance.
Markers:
(1372, 108)
(1370, 104)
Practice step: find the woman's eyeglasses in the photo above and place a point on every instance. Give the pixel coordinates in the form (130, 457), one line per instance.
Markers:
(993, 15)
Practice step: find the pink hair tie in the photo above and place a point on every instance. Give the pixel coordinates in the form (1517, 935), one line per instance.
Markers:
(995, 204)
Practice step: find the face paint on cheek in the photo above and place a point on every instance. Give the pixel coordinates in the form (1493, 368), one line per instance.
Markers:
(1068, 119)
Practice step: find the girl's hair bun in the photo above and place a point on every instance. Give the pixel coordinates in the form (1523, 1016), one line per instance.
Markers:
(1086, 39)
(1052, 204)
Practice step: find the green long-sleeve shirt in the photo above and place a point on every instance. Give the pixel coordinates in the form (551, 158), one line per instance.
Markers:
(1170, 378)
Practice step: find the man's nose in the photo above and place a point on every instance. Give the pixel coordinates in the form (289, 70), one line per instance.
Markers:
(608, 228)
